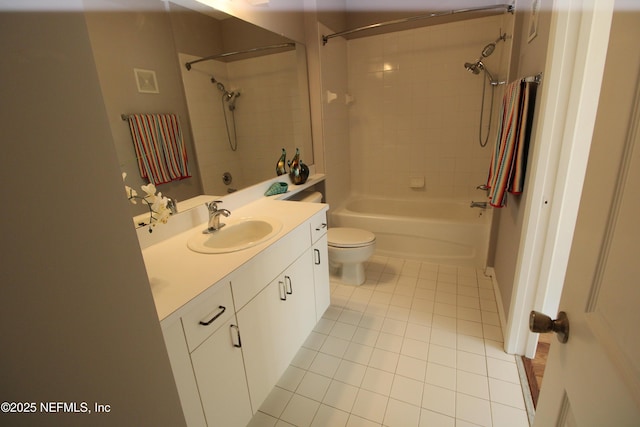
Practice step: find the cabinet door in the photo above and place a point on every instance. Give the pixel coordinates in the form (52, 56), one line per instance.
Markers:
(219, 371)
(301, 307)
(320, 253)
(263, 322)
(275, 324)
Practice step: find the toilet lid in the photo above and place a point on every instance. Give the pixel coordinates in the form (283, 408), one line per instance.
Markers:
(345, 237)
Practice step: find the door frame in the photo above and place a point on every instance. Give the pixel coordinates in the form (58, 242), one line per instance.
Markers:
(575, 61)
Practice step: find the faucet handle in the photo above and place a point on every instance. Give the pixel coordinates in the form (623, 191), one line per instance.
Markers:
(212, 205)
(482, 187)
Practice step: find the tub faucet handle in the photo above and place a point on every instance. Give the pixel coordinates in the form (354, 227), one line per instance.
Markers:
(482, 187)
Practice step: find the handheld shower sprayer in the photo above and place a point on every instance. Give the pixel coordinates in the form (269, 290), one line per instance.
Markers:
(475, 68)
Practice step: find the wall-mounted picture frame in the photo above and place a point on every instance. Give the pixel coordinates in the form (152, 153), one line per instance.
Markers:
(533, 20)
(146, 81)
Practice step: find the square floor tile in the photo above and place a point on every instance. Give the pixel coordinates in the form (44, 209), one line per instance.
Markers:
(506, 393)
(300, 411)
(441, 376)
(502, 370)
(434, 419)
(418, 332)
(467, 327)
(358, 353)
(370, 405)
(507, 416)
(324, 326)
(334, 346)
(325, 364)
(444, 337)
(377, 381)
(389, 342)
(407, 390)
(442, 355)
(469, 314)
(440, 400)
(398, 313)
(313, 386)
(471, 362)
(395, 327)
(401, 414)
(330, 417)
(415, 348)
(340, 396)
(350, 317)
(343, 330)
(365, 336)
(473, 409)
(385, 360)
(411, 367)
(472, 384)
(372, 321)
(495, 350)
(350, 372)
(470, 344)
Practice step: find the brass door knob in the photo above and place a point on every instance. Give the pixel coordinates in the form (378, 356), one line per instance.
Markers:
(541, 323)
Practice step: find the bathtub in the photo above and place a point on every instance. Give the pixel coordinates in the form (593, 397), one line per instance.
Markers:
(439, 231)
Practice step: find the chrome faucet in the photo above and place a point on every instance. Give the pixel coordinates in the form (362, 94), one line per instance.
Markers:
(172, 205)
(214, 217)
(482, 205)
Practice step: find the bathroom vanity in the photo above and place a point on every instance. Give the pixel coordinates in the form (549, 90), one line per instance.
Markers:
(233, 321)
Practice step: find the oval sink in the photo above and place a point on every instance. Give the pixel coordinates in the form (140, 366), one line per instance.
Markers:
(235, 236)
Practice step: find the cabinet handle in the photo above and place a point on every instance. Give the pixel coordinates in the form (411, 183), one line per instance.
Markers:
(317, 257)
(290, 291)
(323, 225)
(283, 290)
(222, 310)
(239, 344)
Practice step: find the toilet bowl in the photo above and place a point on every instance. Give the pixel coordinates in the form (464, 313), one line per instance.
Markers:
(349, 249)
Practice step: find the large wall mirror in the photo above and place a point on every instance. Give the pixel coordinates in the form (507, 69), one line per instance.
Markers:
(236, 111)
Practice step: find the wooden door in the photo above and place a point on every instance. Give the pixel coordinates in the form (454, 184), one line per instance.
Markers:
(594, 379)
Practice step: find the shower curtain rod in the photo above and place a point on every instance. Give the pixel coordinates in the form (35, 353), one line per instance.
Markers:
(224, 55)
(507, 7)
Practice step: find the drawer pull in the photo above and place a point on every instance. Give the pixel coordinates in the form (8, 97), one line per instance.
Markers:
(281, 288)
(288, 279)
(222, 310)
(317, 257)
(239, 344)
(323, 225)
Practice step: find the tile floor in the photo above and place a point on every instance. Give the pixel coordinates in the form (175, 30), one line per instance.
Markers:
(417, 345)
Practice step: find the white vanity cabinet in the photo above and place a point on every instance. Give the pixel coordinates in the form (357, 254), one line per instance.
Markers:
(229, 345)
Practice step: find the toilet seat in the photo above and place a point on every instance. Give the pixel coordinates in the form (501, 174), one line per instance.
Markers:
(346, 237)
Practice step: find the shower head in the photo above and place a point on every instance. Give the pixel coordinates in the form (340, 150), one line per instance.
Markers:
(472, 68)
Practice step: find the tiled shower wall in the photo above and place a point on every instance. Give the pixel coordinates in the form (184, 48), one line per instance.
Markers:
(416, 109)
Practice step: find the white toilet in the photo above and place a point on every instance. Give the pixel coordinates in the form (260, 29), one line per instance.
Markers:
(349, 248)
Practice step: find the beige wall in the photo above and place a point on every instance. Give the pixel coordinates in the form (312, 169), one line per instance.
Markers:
(528, 59)
(141, 38)
(77, 319)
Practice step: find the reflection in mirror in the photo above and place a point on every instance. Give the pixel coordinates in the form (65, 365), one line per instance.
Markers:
(271, 111)
(245, 110)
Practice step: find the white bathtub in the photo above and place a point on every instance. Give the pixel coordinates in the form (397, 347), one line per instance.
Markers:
(440, 231)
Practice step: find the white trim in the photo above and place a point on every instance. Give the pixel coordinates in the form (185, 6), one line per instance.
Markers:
(575, 63)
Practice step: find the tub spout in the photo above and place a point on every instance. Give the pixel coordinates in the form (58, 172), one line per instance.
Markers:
(482, 205)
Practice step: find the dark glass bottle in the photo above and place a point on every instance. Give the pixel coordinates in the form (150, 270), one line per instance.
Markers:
(280, 167)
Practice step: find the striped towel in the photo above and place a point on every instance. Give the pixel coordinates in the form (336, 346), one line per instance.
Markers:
(157, 138)
(509, 160)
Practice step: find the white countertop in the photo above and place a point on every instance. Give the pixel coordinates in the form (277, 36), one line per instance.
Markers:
(178, 274)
